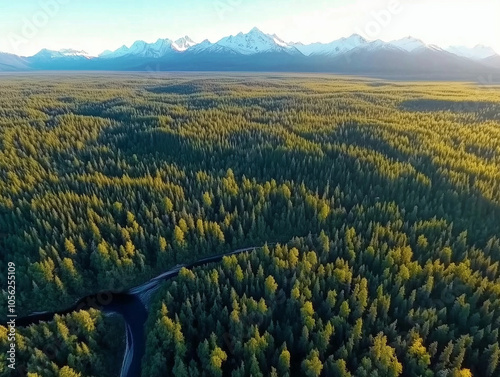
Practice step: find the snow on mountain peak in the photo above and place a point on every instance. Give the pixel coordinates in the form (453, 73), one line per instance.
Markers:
(279, 41)
(477, 52)
(355, 38)
(72, 52)
(408, 44)
(63, 53)
(254, 42)
(255, 30)
(138, 47)
(336, 47)
(122, 51)
(182, 44)
(157, 49)
(377, 44)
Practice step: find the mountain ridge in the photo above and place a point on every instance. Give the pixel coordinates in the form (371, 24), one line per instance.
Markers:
(255, 50)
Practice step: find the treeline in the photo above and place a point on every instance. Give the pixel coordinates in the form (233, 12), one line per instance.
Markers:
(105, 182)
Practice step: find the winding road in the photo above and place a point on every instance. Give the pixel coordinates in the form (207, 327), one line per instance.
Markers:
(133, 306)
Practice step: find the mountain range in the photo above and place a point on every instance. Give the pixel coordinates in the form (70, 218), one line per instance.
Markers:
(258, 51)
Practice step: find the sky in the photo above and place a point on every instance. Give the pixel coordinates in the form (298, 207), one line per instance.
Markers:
(27, 26)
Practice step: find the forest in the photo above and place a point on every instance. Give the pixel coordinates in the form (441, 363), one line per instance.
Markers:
(377, 204)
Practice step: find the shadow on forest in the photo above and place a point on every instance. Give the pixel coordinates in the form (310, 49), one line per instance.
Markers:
(188, 88)
(265, 159)
(197, 87)
(443, 192)
(269, 162)
(485, 110)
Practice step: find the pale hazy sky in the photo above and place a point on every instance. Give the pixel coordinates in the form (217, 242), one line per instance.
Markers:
(27, 26)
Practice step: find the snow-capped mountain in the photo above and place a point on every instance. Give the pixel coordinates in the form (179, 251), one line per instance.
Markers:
(210, 48)
(408, 44)
(114, 54)
(355, 41)
(376, 45)
(202, 46)
(337, 47)
(158, 49)
(254, 42)
(182, 44)
(64, 53)
(258, 51)
(71, 52)
(141, 49)
(478, 52)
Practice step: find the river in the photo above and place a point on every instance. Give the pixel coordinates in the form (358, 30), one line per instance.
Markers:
(133, 305)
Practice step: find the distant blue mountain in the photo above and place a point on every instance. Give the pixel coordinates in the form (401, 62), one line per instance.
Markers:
(258, 51)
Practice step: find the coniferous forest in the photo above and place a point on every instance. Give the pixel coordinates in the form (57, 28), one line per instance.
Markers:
(373, 207)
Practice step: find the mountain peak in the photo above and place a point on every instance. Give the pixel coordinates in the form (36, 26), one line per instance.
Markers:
(333, 48)
(63, 53)
(408, 44)
(72, 51)
(256, 30)
(163, 40)
(356, 36)
(182, 44)
(138, 43)
(254, 42)
(477, 52)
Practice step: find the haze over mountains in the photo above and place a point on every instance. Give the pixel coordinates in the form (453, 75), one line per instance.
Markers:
(258, 51)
